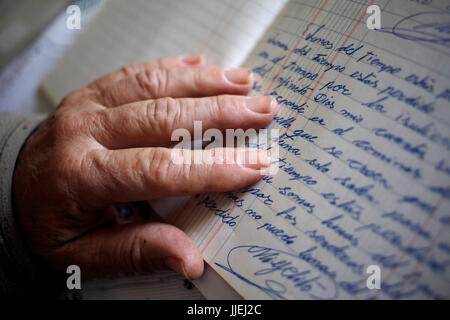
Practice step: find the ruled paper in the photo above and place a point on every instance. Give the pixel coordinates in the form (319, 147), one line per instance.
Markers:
(364, 160)
(133, 31)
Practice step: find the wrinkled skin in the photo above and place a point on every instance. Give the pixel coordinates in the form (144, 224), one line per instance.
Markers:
(108, 143)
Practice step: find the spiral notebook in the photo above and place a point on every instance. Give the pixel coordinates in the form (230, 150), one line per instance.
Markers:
(360, 205)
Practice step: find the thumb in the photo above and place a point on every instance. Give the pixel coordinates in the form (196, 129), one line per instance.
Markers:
(134, 247)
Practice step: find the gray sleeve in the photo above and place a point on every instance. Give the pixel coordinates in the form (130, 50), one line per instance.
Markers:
(21, 274)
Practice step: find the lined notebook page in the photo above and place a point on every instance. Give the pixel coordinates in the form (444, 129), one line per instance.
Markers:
(134, 31)
(364, 160)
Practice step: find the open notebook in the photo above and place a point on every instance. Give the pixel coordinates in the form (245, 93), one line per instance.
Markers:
(364, 163)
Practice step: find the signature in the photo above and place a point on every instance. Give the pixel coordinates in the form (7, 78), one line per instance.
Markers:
(278, 273)
(437, 32)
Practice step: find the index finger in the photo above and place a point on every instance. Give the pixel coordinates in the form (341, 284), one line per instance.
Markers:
(132, 69)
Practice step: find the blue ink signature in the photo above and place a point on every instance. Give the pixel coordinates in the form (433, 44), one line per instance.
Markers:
(434, 32)
(319, 284)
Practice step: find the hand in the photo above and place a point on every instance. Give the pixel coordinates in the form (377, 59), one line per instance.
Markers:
(107, 143)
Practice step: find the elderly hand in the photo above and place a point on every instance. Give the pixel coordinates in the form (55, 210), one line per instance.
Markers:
(108, 143)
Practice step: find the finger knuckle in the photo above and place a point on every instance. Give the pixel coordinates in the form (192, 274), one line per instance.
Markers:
(226, 108)
(160, 165)
(199, 77)
(131, 251)
(163, 113)
(66, 123)
(128, 70)
(107, 125)
(153, 81)
(169, 176)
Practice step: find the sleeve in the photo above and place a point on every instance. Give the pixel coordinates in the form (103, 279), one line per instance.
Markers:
(22, 275)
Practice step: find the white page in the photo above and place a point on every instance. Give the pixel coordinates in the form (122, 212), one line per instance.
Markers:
(377, 191)
(133, 31)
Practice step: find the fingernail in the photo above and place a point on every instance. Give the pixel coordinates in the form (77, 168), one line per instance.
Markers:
(238, 75)
(257, 159)
(193, 59)
(262, 104)
(177, 265)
